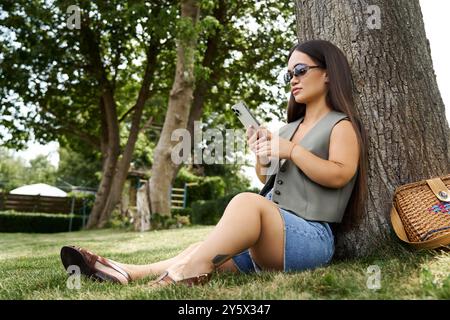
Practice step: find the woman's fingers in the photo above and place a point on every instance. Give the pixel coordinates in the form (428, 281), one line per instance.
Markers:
(253, 142)
(250, 131)
(263, 153)
(253, 138)
(262, 142)
(259, 140)
(263, 148)
(253, 146)
(264, 132)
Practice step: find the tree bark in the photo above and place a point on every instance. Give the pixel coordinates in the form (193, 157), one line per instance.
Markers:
(142, 218)
(180, 101)
(90, 46)
(396, 97)
(123, 165)
(114, 171)
(203, 86)
(110, 154)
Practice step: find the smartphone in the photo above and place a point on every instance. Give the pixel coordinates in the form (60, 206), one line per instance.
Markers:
(244, 115)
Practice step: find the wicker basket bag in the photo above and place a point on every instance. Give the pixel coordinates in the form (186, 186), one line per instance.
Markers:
(420, 213)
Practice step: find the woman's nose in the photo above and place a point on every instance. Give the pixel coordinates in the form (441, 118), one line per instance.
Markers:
(294, 81)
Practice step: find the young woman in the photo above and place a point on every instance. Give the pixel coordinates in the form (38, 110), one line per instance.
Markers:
(288, 226)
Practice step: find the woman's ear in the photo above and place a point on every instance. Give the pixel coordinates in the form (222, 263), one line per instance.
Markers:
(326, 78)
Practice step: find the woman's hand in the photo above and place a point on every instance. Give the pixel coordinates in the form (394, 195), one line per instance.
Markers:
(274, 147)
(256, 137)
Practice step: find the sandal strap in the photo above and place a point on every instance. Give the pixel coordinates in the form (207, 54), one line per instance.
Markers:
(114, 266)
(165, 279)
(198, 280)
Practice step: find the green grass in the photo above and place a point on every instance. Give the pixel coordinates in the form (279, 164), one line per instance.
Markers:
(30, 268)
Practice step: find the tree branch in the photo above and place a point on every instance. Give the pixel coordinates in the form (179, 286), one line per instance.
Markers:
(147, 124)
(72, 128)
(84, 136)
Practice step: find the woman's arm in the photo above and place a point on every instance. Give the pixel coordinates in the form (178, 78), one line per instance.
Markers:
(342, 161)
(335, 172)
(254, 137)
(259, 168)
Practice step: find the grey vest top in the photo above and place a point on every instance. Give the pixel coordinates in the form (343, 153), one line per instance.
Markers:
(294, 191)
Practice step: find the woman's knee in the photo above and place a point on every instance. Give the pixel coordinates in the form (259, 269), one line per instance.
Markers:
(243, 204)
(243, 196)
(247, 199)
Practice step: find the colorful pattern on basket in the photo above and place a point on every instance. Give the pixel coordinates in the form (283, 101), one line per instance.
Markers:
(431, 232)
(441, 207)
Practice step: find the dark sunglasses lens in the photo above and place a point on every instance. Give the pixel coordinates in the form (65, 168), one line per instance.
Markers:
(300, 70)
(287, 77)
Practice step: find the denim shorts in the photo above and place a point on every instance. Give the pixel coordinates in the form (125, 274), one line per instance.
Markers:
(307, 245)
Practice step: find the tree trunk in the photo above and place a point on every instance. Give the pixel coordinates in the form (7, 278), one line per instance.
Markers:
(119, 179)
(110, 155)
(203, 85)
(396, 96)
(180, 100)
(114, 172)
(123, 165)
(142, 218)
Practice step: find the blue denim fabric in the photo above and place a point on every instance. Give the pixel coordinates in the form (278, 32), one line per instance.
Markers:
(307, 245)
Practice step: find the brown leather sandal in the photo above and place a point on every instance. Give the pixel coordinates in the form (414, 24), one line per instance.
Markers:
(85, 260)
(165, 280)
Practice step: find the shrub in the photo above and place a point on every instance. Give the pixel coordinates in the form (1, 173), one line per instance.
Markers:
(207, 189)
(209, 212)
(158, 221)
(11, 221)
(182, 212)
(87, 198)
(185, 176)
(119, 221)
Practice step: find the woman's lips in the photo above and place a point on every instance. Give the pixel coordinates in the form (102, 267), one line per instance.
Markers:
(295, 91)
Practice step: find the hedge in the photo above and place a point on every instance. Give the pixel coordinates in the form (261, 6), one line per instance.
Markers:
(209, 212)
(182, 212)
(208, 188)
(11, 221)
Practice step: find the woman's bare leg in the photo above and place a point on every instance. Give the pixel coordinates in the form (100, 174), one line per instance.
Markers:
(249, 221)
(137, 272)
(141, 271)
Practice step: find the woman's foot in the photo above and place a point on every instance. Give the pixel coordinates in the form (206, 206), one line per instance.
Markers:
(165, 279)
(94, 266)
(183, 273)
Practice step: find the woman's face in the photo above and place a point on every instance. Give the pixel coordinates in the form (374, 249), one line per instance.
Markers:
(312, 85)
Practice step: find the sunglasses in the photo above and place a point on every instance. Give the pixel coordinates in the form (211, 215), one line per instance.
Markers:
(298, 71)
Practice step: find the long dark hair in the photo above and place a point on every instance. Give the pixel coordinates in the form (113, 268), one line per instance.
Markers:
(340, 98)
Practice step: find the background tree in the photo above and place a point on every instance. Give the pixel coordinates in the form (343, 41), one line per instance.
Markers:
(180, 101)
(81, 169)
(86, 87)
(241, 55)
(16, 172)
(83, 84)
(12, 171)
(396, 96)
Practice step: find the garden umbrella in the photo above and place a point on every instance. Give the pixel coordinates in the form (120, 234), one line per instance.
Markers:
(39, 189)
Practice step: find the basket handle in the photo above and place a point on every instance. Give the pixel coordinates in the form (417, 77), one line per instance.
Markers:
(399, 229)
(439, 189)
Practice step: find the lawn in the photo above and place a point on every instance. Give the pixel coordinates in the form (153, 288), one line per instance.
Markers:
(30, 268)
